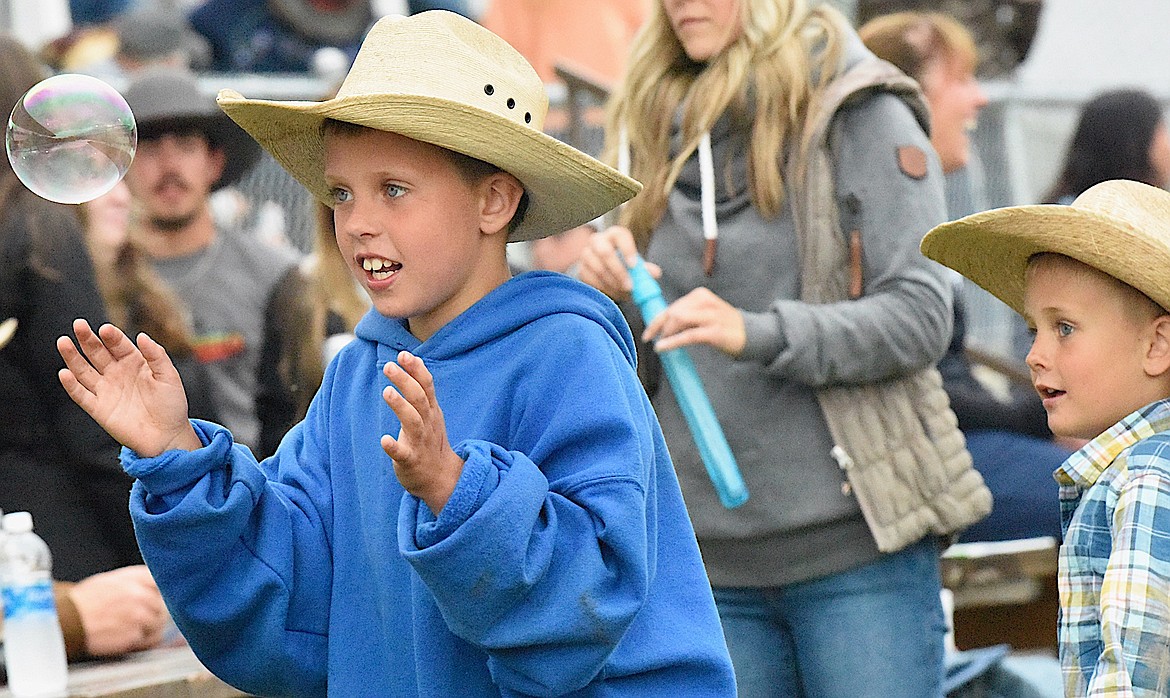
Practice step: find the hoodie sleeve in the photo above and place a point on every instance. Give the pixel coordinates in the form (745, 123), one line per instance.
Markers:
(542, 558)
(902, 322)
(217, 530)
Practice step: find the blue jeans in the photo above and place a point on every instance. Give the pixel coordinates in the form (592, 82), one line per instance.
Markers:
(1018, 471)
(876, 630)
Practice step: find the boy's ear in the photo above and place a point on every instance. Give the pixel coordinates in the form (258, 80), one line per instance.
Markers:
(1157, 361)
(501, 194)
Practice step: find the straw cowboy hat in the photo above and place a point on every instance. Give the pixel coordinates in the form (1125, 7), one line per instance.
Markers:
(1120, 227)
(165, 98)
(440, 78)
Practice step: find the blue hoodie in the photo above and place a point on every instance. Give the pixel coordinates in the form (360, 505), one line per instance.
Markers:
(563, 562)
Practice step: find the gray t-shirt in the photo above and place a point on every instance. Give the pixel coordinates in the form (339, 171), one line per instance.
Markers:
(226, 288)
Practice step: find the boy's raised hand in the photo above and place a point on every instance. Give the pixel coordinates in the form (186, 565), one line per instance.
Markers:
(424, 461)
(133, 392)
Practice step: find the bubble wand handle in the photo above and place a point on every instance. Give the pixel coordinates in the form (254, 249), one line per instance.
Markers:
(692, 398)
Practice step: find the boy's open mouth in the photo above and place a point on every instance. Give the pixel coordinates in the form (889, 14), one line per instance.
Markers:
(1046, 392)
(380, 269)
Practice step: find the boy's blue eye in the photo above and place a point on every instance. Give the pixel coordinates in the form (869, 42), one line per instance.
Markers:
(394, 191)
(1064, 329)
(339, 195)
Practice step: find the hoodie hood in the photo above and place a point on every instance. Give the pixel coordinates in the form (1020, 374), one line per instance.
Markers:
(521, 300)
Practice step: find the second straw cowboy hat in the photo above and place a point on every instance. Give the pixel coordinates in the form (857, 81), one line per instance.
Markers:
(165, 99)
(1120, 227)
(440, 78)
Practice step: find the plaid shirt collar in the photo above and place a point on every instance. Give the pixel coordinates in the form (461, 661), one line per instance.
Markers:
(1082, 468)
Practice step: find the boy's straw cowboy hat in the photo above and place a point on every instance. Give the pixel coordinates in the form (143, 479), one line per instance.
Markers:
(168, 99)
(1120, 227)
(440, 78)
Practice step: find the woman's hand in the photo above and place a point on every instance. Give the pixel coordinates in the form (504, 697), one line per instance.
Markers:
(424, 461)
(700, 317)
(133, 392)
(606, 260)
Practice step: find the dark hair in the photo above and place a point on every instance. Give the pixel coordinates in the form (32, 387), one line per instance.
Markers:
(19, 71)
(1111, 141)
(472, 170)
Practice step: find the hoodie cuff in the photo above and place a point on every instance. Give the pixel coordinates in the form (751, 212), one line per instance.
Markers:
(476, 483)
(176, 469)
(764, 337)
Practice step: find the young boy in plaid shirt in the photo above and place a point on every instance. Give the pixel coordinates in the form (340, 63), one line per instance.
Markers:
(1093, 280)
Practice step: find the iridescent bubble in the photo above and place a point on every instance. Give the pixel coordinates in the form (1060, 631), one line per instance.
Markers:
(71, 138)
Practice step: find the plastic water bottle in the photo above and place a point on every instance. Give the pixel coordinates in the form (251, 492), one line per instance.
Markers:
(34, 649)
(692, 398)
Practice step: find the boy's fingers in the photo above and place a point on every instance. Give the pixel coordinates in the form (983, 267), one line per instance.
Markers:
(79, 369)
(408, 414)
(91, 344)
(156, 356)
(76, 391)
(116, 342)
(418, 370)
(408, 383)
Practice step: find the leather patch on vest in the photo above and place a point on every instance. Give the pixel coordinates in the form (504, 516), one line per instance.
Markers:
(912, 161)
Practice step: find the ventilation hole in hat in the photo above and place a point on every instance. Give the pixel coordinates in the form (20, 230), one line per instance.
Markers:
(527, 117)
(511, 103)
(488, 89)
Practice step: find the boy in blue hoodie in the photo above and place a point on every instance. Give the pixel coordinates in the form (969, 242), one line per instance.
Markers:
(519, 529)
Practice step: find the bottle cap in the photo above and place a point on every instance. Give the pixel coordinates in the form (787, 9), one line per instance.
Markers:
(17, 522)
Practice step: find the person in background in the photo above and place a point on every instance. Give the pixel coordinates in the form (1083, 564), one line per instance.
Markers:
(321, 311)
(1120, 134)
(231, 284)
(135, 296)
(54, 460)
(793, 335)
(111, 613)
(1008, 435)
(281, 36)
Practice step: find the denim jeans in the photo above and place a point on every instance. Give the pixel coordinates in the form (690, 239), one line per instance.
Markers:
(1018, 471)
(876, 630)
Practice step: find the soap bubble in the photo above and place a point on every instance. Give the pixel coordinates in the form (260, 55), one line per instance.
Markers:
(71, 138)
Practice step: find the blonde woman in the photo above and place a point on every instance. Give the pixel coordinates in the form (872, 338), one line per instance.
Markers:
(827, 577)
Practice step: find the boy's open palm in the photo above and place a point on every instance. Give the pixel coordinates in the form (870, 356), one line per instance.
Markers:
(133, 392)
(424, 461)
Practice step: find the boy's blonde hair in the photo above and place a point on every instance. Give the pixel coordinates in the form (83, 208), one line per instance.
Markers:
(767, 71)
(1138, 305)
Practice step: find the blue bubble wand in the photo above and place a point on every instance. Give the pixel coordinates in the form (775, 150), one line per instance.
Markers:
(692, 398)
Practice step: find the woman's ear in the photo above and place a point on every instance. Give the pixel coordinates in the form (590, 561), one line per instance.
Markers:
(501, 193)
(1157, 360)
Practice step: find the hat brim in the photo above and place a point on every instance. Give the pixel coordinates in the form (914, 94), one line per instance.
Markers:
(992, 248)
(566, 188)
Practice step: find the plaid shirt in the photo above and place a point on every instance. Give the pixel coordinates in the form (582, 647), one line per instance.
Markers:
(1115, 560)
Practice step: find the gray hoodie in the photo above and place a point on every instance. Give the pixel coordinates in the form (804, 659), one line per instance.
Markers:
(800, 522)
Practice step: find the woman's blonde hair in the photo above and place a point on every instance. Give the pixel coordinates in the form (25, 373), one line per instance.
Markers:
(785, 52)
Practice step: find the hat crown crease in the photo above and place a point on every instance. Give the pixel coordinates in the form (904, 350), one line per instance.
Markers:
(444, 64)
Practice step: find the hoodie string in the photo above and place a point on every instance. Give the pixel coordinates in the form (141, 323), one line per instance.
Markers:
(707, 203)
(706, 192)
